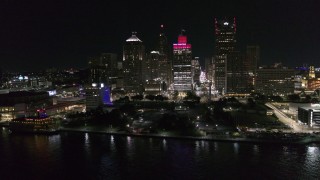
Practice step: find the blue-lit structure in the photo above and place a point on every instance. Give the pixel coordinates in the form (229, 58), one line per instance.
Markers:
(105, 95)
(302, 68)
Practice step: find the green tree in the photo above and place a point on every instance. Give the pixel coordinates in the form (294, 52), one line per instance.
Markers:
(293, 97)
(150, 97)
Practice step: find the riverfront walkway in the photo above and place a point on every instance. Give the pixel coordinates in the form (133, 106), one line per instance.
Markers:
(291, 140)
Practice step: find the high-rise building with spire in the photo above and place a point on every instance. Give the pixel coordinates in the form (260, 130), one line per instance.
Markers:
(225, 42)
(182, 71)
(165, 65)
(133, 60)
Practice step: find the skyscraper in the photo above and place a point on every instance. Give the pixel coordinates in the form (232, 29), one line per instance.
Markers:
(276, 80)
(225, 42)
(152, 66)
(237, 77)
(133, 57)
(165, 66)
(252, 60)
(182, 56)
(209, 67)
(103, 68)
(196, 70)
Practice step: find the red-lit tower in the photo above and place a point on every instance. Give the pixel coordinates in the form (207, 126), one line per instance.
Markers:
(182, 56)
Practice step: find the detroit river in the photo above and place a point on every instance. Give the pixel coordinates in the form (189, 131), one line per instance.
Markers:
(71, 155)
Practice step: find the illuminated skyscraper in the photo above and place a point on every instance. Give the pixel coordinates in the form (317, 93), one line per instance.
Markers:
(163, 42)
(133, 57)
(196, 70)
(252, 59)
(182, 56)
(276, 80)
(103, 68)
(225, 32)
(152, 66)
(165, 66)
(237, 79)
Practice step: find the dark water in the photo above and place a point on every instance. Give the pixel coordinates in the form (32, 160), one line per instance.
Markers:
(94, 156)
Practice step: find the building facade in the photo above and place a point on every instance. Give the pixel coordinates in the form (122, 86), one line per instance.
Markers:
(237, 75)
(165, 58)
(276, 80)
(133, 64)
(103, 68)
(225, 42)
(309, 116)
(182, 71)
(251, 61)
(196, 70)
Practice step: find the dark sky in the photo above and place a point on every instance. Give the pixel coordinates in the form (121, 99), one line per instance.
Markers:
(43, 34)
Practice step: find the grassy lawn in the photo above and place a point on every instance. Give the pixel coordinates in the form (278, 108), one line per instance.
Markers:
(254, 120)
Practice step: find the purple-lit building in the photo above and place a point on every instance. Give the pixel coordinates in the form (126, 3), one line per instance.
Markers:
(97, 95)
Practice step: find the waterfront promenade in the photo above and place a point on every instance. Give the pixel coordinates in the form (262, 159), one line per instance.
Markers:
(254, 137)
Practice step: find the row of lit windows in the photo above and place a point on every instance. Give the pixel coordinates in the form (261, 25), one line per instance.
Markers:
(6, 109)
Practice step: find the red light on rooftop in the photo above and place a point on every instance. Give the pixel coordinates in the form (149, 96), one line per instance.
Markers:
(182, 39)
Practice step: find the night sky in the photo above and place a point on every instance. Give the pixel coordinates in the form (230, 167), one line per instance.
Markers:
(35, 35)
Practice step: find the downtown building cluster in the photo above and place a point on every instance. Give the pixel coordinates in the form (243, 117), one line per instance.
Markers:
(172, 69)
(163, 71)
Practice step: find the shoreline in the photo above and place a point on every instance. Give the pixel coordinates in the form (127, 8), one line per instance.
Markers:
(300, 141)
(294, 141)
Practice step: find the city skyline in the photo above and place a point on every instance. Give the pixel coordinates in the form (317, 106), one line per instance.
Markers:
(37, 35)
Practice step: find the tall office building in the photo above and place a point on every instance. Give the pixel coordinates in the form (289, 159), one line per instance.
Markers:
(209, 67)
(196, 70)
(275, 80)
(133, 60)
(182, 56)
(251, 61)
(237, 76)
(152, 65)
(225, 42)
(103, 68)
(165, 65)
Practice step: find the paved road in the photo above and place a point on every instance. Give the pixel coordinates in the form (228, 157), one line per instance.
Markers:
(286, 120)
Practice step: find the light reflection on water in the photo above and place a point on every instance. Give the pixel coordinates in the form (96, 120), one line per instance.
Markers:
(215, 146)
(95, 156)
(255, 149)
(312, 158)
(236, 147)
(129, 142)
(164, 144)
(86, 139)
